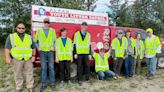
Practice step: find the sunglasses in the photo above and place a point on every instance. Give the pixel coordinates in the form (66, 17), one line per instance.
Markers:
(20, 28)
(47, 22)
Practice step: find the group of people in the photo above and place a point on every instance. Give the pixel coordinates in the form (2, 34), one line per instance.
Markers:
(20, 50)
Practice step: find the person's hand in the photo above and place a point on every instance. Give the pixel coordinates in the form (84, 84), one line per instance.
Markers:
(8, 60)
(90, 57)
(75, 56)
(38, 49)
(33, 59)
(57, 61)
(71, 60)
(52, 49)
(115, 58)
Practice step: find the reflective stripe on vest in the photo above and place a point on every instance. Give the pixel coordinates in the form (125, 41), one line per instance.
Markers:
(82, 46)
(64, 52)
(21, 50)
(101, 64)
(46, 43)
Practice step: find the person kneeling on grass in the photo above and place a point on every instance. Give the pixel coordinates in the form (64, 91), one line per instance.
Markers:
(102, 66)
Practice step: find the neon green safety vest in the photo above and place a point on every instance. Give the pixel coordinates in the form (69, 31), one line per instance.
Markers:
(151, 47)
(45, 43)
(64, 52)
(82, 46)
(119, 49)
(21, 49)
(101, 64)
(141, 49)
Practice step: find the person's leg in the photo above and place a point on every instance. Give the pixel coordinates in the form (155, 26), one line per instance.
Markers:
(43, 61)
(153, 64)
(148, 65)
(79, 67)
(61, 70)
(87, 67)
(127, 66)
(51, 67)
(138, 67)
(100, 75)
(131, 65)
(115, 63)
(18, 69)
(120, 62)
(135, 66)
(28, 70)
(67, 70)
(109, 73)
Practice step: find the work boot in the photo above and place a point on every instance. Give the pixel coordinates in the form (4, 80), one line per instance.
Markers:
(52, 87)
(70, 84)
(18, 90)
(61, 84)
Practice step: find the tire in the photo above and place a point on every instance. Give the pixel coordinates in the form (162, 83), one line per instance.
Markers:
(161, 62)
(73, 70)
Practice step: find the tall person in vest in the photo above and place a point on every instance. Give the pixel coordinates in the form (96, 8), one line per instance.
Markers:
(118, 52)
(139, 54)
(129, 60)
(102, 65)
(82, 52)
(152, 47)
(20, 51)
(64, 56)
(45, 43)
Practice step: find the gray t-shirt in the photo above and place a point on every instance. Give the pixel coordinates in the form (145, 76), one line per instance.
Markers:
(130, 49)
(8, 42)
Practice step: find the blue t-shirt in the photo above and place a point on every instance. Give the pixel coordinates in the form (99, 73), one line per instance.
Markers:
(64, 41)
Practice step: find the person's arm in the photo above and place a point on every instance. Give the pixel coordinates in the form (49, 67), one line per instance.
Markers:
(35, 40)
(7, 50)
(54, 37)
(56, 54)
(158, 43)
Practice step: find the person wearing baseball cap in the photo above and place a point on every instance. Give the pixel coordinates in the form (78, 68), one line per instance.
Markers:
(152, 47)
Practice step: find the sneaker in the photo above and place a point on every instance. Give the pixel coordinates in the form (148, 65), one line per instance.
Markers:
(70, 83)
(52, 87)
(42, 88)
(61, 84)
(115, 78)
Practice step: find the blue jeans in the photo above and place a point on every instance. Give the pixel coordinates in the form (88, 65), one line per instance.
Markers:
(105, 75)
(47, 57)
(151, 64)
(129, 62)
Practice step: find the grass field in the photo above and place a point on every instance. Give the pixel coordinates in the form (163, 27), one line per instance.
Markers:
(135, 84)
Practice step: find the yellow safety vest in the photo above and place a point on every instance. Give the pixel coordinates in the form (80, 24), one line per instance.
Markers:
(64, 52)
(45, 43)
(101, 64)
(21, 49)
(119, 49)
(82, 46)
(151, 47)
(141, 48)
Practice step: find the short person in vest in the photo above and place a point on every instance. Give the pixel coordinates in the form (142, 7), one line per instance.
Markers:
(20, 51)
(152, 47)
(130, 54)
(102, 66)
(64, 56)
(45, 43)
(139, 54)
(118, 52)
(82, 51)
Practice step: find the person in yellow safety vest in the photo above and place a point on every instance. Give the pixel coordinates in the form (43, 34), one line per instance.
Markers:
(82, 51)
(64, 56)
(46, 37)
(139, 54)
(102, 65)
(22, 50)
(152, 47)
(119, 46)
(130, 54)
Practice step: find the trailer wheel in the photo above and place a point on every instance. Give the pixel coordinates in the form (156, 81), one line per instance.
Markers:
(73, 70)
(161, 62)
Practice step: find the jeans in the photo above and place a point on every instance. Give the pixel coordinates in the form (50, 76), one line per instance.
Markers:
(47, 57)
(129, 63)
(151, 64)
(104, 75)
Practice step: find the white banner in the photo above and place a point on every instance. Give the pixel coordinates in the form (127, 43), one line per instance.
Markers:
(61, 15)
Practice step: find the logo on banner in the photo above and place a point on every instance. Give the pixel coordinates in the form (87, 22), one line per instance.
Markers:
(42, 11)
